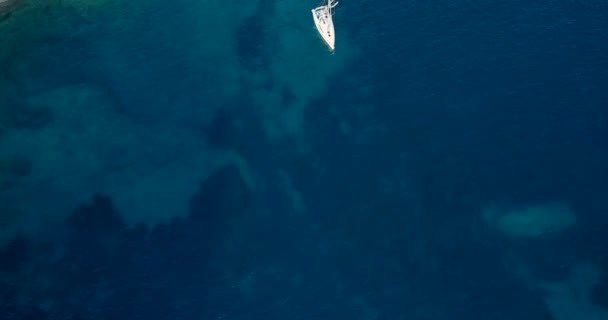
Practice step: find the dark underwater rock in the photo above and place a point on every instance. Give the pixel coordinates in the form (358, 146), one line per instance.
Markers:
(221, 197)
(96, 218)
(22, 116)
(13, 169)
(220, 132)
(6, 6)
(599, 292)
(14, 256)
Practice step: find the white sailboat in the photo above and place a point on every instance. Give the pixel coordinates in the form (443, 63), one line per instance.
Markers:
(325, 25)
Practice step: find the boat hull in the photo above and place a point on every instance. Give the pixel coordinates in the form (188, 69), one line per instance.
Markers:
(325, 25)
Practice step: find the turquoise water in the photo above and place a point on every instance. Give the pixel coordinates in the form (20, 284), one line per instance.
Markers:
(213, 160)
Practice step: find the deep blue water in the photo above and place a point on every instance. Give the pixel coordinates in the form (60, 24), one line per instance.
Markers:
(450, 107)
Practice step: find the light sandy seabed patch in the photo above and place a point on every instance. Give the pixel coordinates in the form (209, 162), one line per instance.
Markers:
(530, 221)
